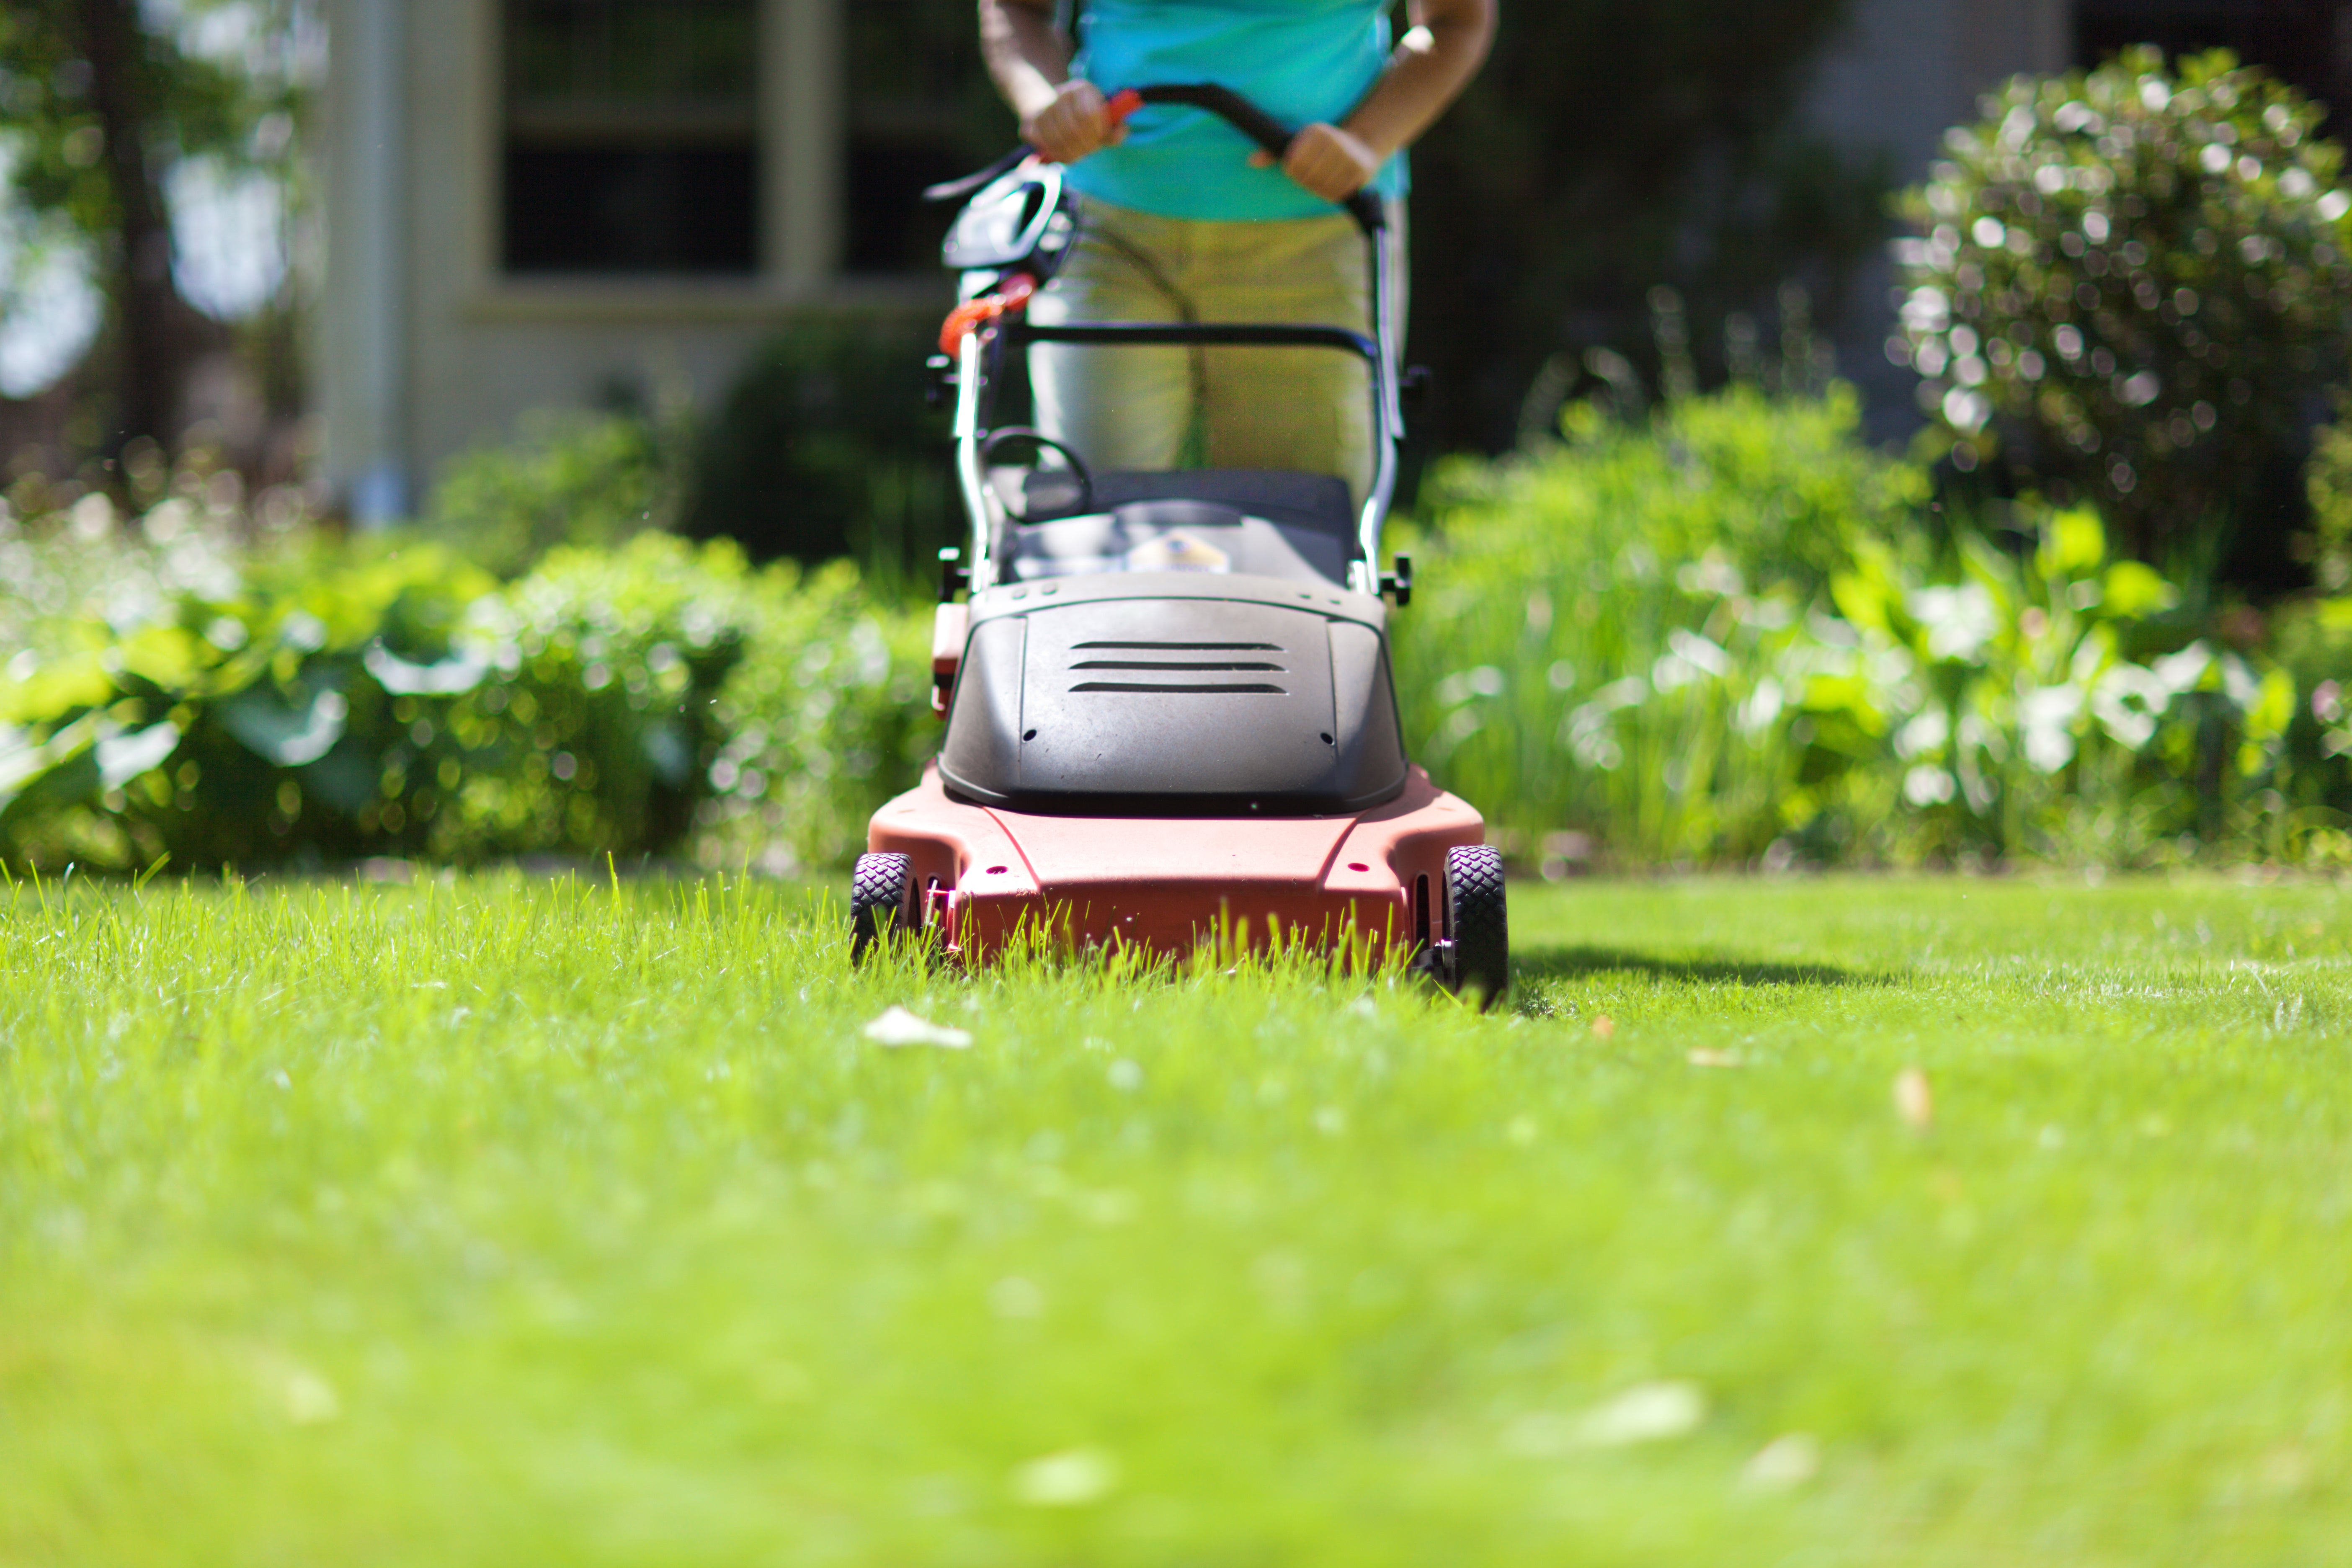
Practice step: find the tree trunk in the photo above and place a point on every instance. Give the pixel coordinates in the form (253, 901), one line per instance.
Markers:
(154, 328)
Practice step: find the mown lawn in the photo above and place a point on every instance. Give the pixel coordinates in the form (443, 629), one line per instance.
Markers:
(511, 1223)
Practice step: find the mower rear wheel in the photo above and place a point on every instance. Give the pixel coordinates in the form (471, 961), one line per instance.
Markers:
(1478, 923)
(877, 900)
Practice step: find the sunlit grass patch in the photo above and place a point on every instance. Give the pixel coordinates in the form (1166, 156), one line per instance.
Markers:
(504, 1220)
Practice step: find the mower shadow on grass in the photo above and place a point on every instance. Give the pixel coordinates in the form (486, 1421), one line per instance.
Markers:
(1582, 962)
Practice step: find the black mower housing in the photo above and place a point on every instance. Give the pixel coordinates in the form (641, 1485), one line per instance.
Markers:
(1144, 693)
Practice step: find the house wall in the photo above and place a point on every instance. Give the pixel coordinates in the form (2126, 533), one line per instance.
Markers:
(426, 348)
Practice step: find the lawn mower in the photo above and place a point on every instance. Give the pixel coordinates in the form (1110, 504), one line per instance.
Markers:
(1170, 715)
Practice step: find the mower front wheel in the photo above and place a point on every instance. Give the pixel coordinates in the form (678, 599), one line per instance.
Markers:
(1477, 924)
(878, 891)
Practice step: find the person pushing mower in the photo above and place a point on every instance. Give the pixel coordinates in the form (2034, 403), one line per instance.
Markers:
(1164, 659)
(1181, 219)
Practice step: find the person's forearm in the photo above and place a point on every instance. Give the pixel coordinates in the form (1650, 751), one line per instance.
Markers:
(1430, 66)
(1027, 55)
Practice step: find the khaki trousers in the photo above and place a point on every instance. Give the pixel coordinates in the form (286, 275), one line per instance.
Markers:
(1306, 409)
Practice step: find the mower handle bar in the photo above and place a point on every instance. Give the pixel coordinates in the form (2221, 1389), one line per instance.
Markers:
(974, 349)
(1271, 135)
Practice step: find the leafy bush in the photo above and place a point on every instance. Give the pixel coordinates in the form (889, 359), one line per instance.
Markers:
(827, 715)
(827, 446)
(1721, 636)
(2144, 277)
(572, 478)
(1598, 616)
(2327, 486)
(307, 701)
(2043, 706)
(2313, 640)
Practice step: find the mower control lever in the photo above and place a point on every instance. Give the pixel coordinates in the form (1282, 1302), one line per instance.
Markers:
(1399, 582)
(1412, 387)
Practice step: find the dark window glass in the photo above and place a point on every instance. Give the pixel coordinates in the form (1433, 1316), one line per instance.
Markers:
(631, 136)
(921, 110)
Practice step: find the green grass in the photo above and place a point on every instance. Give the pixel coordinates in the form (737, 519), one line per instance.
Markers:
(517, 1224)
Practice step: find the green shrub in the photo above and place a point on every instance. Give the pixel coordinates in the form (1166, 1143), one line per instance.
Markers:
(2327, 486)
(1720, 636)
(1592, 648)
(827, 715)
(570, 477)
(312, 702)
(2043, 706)
(2142, 278)
(2313, 640)
(827, 446)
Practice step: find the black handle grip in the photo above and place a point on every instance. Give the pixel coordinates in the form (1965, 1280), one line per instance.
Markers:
(1365, 205)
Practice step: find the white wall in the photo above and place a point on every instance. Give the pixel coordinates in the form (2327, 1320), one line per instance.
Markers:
(426, 350)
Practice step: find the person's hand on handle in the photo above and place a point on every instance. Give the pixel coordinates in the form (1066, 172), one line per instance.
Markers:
(1077, 121)
(1333, 163)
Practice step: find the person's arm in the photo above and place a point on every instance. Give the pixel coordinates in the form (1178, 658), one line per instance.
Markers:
(1431, 65)
(1029, 60)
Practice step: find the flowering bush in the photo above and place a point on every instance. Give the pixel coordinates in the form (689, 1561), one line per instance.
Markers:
(2142, 276)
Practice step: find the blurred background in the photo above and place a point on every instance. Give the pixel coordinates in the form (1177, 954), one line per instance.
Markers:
(1860, 431)
(345, 241)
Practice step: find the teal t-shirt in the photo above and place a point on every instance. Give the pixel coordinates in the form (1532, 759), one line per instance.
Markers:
(1299, 60)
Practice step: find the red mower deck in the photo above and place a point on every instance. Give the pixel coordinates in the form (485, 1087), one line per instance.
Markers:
(1166, 883)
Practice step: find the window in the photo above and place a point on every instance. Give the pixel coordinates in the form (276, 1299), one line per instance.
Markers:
(920, 109)
(631, 137)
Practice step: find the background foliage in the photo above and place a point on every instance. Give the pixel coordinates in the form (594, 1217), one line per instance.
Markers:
(567, 477)
(2141, 278)
(1727, 631)
(1607, 149)
(827, 445)
(297, 698)
(101, 103)
(1723, 631)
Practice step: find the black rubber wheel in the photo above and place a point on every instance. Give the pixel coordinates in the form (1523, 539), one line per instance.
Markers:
(877, 900)
(1478, 923)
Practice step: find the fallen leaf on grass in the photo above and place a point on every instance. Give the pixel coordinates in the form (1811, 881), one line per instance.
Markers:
(1068, 1479)
(1645, 1413)
(1013, 1297)
(1913, 1101)
(310, 1399)
(1786, 1462)
(1702, 1057)
(899, 1027)
(1603, 1026)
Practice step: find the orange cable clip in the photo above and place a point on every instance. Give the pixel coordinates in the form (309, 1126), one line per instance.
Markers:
(1012, 294)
